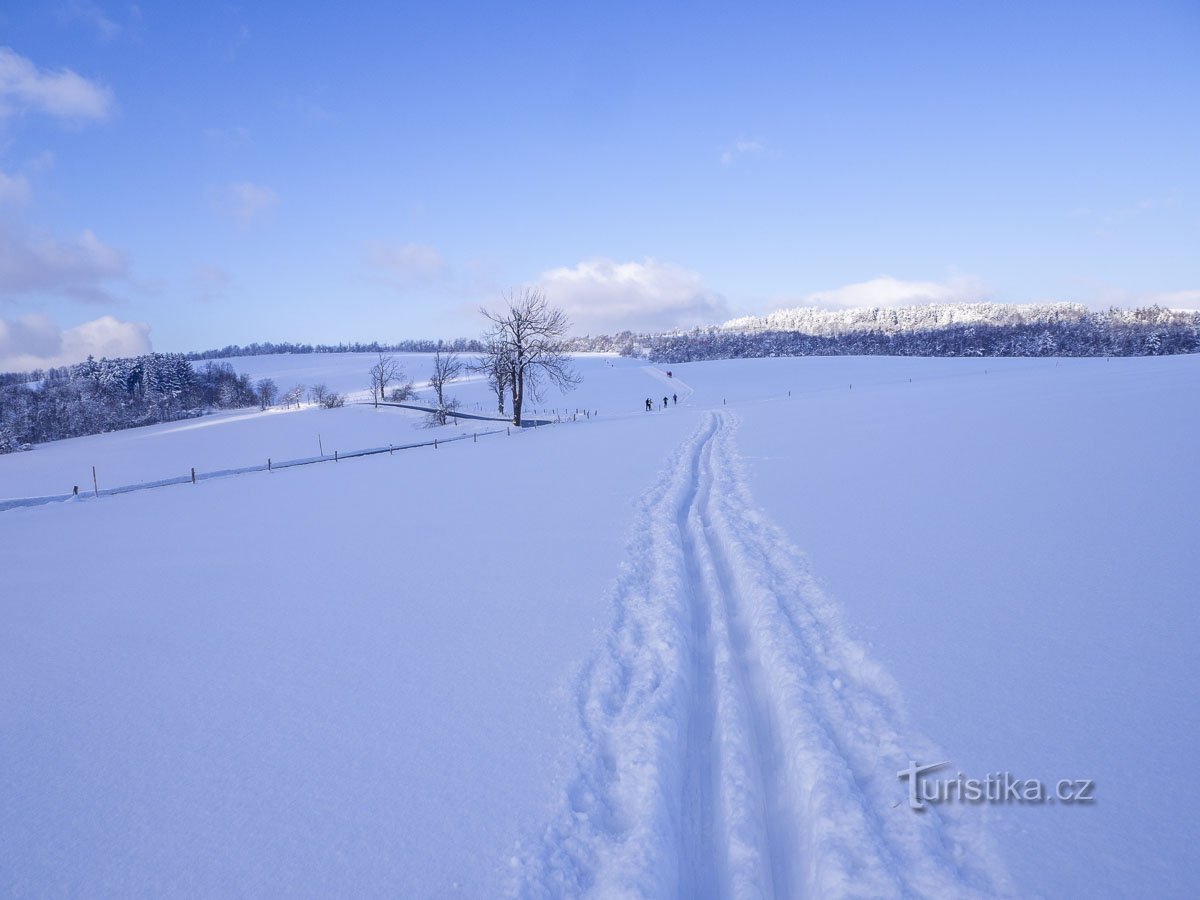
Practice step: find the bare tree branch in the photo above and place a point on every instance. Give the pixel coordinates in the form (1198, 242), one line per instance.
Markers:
(526, 340)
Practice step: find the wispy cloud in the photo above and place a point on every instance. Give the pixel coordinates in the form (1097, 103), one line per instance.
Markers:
(209, 283)
(244, 202)
(1176, 299)
(604, 295)
(309, 110)
(63, 94)
(407, 264)
(82, 267)
(14, 190)
(741, 148)
(1108, 222)
(240, 35)
(90, 14)
(1103, 296)
(237, 137)
(35, 341)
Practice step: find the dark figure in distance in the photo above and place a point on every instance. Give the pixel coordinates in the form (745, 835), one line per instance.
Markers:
(649, 404)
(664, 402)
(675, 399)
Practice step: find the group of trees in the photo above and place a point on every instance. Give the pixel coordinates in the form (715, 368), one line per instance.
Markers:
(523, 350)
(109, 394)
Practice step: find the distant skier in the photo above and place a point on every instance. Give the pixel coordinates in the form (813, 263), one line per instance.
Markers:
(649, 405)
(674, 399)
(664, 402)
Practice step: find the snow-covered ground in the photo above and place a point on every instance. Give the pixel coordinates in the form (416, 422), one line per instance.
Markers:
(672, 654)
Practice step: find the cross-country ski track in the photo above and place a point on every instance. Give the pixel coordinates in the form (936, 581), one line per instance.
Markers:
(737, 741)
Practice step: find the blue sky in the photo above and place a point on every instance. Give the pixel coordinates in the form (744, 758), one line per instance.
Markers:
(192, 175)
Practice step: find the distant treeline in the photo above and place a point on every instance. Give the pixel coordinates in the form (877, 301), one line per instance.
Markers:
(941, 330)
(111, 394)
(458, 345)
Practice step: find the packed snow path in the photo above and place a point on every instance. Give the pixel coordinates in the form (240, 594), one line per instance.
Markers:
(738, 742)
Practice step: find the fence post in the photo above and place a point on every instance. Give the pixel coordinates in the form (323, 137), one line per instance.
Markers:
(268, 464)
(508, 431)
(193, 474)
(335, 456)
(435, 443)
(95, 484)
(474, 437)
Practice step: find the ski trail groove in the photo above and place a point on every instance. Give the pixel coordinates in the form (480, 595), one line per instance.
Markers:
(737, 741)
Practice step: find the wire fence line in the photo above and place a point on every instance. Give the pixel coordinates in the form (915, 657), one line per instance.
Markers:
(194, 477)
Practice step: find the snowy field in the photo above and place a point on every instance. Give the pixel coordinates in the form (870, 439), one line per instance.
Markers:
(672, 654)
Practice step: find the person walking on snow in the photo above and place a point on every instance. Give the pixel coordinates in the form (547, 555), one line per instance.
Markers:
(649, 404)
(664, 402)
(675, 399)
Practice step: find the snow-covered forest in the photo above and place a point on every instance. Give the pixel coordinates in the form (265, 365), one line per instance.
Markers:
(109, 394)
(968, 329)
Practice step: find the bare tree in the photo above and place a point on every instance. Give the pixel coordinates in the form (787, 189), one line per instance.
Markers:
(317, 394)
(445, 369)
(267, 392)
(496, 365)
(293, 396)
(529, 334)
(382, 374)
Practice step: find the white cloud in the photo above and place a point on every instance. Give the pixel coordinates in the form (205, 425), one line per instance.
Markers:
(14, 190)
(740, 148)
(604, 295)
(78, 268)
(1172, 300)
(63, 94)
(407, 263)
(888, 291)
(36, 342)
(244, 201)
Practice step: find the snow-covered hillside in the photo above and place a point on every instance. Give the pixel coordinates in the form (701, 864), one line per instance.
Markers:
(679, 653)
